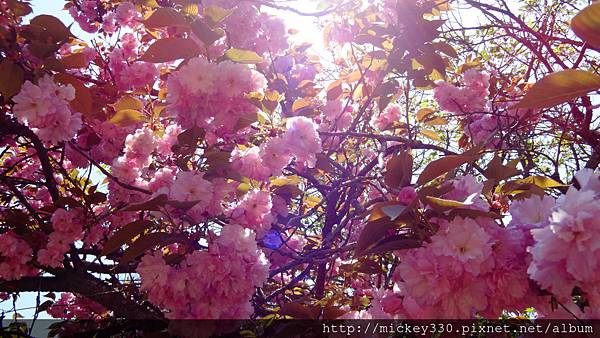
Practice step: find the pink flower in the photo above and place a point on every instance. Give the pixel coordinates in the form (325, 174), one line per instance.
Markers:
(275, 155)
(224, 278)
(67, 225)
(192, 187)
(125, 14)
(464, 240)
(407, 195)
(468, 191)
(70, 306)
(386, 118)
(15, 255)
(249, 163)
(463, 100)
(45, 108)
(302, 139)
(533, 210)
(254, 211)
(140, 145)
(212, 96)
(567, 250)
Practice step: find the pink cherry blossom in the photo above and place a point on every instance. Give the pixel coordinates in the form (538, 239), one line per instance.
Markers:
(15, 255)
(302, 139)
(45, 108)
(407, 195)
(254, 211)
(250, 164)
(222, 279)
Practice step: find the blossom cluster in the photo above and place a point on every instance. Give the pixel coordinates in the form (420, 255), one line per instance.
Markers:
(128, 72)
(71, 306)
(300, 141)
(213, 284)
(15, 255)
(387, 117)
(45, 108)
(483, 119)
(464, 269)
(211, 95)
(67, 226)
(566, 253)
(468, 266)
(250, 29)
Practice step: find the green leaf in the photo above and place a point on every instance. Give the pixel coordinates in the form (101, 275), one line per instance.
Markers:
(150, 205)
(442, 205)
(127, 117)
(586, 24)
(541, 181)
(143, 244)
(48, 26)
(394, 243)
(444, 165)
(171, 49)
(75, 60)
(124, 235)
(164, 17)
(12, 77)
(399, 170)
(216, 14)
(243, 56)
(203, 31)
(372, 233)
(559, 87)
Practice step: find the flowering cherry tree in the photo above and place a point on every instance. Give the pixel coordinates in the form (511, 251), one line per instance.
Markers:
(189, 161)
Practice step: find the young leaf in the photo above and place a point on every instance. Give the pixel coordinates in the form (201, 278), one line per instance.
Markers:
(393, 211)
(444, 165)
(559, 87)
(127, 117)
(372, 233)
(75, 60)
(51, 27)
(124, 235)
(586, 24)
(11, 78)
(127, 102)
(164, 17)
(442, 205)
(144, 243)
(423, 113)
(394, 243)
(203, 31)
(399, 170)
(83, 102)
(216, 14)
(243, 56)
(430, 134)
(150, 205)
(171, 49)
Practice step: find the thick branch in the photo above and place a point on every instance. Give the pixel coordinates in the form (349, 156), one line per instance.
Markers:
(88, 286)
(8, 127)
